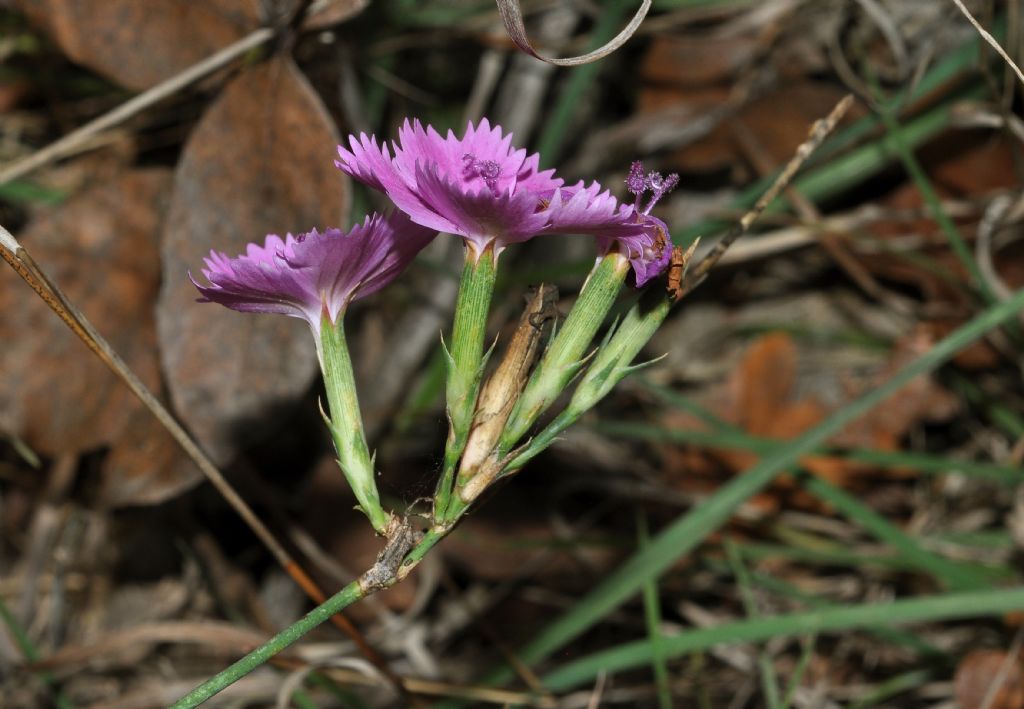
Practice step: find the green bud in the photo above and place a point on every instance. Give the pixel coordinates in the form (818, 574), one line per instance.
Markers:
(565, 356)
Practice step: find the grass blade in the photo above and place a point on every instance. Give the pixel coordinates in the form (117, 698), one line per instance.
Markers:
(692, 528)
(921, 462)
(952, 606)
(652, 616)
(955, 576)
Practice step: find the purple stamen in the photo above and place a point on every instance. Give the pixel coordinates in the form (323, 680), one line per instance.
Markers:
(659, 186)
(487, 170)
(635, 182)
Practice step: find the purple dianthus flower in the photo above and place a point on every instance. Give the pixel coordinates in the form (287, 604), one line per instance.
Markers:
(642, 238)
(490, 193)
(303, 275)
(477, 186)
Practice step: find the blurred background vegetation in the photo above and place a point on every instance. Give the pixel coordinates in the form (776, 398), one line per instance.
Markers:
(731, 528)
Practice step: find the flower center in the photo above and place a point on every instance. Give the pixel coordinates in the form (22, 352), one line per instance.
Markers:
(487, 170)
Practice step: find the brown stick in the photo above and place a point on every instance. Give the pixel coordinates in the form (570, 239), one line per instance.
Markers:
(816, 136)
(24, 265)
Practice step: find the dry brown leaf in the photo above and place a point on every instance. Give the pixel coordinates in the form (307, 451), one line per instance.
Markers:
(101, 247)
(145, 466)
(921, 399)
(259, 161)
(764, 381)
(979, 671)
(138, 44)
(761, 398)
(696, 60)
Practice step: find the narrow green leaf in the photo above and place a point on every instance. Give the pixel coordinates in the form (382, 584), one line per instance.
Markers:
(955, 576)
(652, 616)
(692, 528)
(920, 462)
(954, 606)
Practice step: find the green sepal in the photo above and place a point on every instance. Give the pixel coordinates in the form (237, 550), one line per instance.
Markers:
(609, 366)
(449, 361)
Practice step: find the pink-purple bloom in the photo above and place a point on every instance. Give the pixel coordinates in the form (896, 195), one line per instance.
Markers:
(477, 186)
(482, 188)
(304, 275)
(643, 238)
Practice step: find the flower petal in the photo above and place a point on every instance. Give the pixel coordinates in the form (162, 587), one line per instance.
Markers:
(299, 276)
(481, 217)
(371, 164)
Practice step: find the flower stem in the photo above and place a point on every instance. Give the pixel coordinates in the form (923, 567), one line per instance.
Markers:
(385, 572)
(346, 423)
(342, 599)
(465, 363)
(564, 356)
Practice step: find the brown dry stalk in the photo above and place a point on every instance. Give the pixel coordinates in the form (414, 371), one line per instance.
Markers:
(73, 141)
(25, 266)
(987, 36)
(820, 130)
(501, 391)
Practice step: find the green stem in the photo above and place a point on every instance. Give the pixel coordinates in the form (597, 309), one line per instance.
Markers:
(428, 542)
(346, 423)
(339, 601)
(336, 603)
(564, 356)
(465, 363)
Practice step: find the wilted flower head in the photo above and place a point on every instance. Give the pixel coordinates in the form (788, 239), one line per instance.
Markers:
(303, 275)
(643, 238)
(477, 186)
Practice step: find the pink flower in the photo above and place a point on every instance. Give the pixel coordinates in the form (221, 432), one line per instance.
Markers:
(488, 192)
(477, 186)
(643, 238)
(303, 275)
